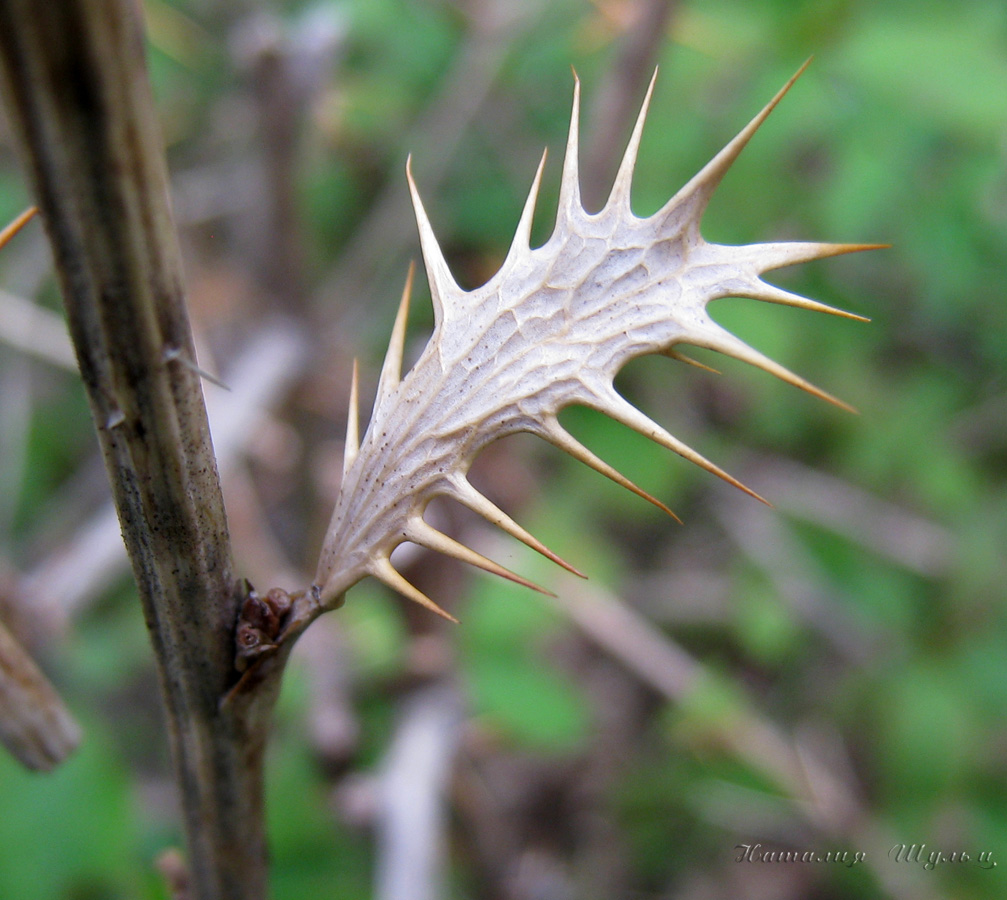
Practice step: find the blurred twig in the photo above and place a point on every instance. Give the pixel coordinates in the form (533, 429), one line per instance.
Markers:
(15, 416)
(412, 813)
(382, 239)
(826, 796)
(287, 67)
(768, 545)
(918, 544)
(35, 726)
(619, 95)
(333, 723)
(35, 330)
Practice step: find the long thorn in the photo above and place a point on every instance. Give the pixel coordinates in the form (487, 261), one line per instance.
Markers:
(779, 254)
(419, 532)
(463, 492)
(15, 226)
(553, 432)
(391, 368)
(697, 192)
(569, 189)
(688, 360)
(622, 187)
(385, 572)
(772, 294)
(725, 342)
(352, 445)
(442, 282)
(623, 411)
(522, 235)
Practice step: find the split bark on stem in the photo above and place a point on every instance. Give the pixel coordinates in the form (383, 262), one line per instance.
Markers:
(79, 101)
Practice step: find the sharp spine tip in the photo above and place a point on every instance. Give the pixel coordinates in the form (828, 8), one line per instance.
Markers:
(623, 411)
(391, 368)
(382, 569)
(569, 189)
(462, 491)
(17, 224)
(438, 272)
(419, 532)
(352, 444)
(725, 342)
(772, 294)
(777, 255)
(553, 432)
(697, 193)
(522, 234)
(688, 360)
(622, 187)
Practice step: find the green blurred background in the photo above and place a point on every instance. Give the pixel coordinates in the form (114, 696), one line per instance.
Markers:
(827, 675)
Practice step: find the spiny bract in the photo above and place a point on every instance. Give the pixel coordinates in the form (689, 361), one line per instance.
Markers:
(550, 329)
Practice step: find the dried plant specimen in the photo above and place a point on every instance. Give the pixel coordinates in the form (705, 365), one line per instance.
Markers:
(551, 329)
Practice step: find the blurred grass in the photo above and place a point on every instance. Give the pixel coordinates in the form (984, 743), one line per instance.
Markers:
(897, 134)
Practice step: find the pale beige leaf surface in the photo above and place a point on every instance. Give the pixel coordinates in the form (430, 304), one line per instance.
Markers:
(551, 329)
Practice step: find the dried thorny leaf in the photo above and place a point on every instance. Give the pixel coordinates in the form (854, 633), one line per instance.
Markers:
(549, 330)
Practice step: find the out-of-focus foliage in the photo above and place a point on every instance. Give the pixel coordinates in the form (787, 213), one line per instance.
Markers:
(865, 617)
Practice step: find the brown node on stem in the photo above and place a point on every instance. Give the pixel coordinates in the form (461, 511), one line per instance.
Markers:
(260, 624)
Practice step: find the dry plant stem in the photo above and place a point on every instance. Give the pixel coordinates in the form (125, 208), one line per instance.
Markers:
(65, 581)
(80, 104)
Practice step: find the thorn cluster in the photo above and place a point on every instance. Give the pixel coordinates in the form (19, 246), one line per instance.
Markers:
(549, 330)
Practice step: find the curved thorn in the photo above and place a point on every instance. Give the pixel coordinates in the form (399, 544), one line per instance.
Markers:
(569, 190)
(462, 491)
(623, 411)
(724, 342)
(442, 282)
(778, 254)
(352, 445)
(14, 227)
(623, 184)
(522, 235)
(391, 368)
(681, 357)
(770, 293)
(691, 200)
(382, 569)
(553, 432)
(420, 532)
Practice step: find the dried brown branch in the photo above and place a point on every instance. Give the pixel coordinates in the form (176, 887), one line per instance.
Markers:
(287, 67)
(75, 573)
(771, 547)
(883, 527)
(73, 75)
